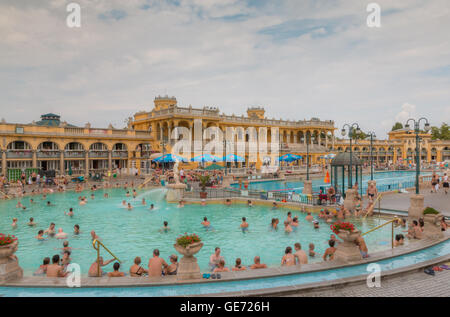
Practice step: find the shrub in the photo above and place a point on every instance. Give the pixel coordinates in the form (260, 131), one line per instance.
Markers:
(430, 211)
(337, 226)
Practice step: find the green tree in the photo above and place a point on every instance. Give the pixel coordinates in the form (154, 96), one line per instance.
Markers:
(397, 126)
(442, 133)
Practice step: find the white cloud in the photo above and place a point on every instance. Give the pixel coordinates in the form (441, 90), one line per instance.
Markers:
(214, 53)
(407, 111)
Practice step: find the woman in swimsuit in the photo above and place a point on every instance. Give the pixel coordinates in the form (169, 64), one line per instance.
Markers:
(173, 267)
(136, 270)
(288, 258)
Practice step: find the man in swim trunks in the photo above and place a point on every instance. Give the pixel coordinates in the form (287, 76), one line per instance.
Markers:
(215, 258)
(372, 191)
(156, 265)
(206, 223)
(93, 270)
(300, 255)
(51, 230)
(244, 224)
(165, 228)
(309, 217)
(54, 269)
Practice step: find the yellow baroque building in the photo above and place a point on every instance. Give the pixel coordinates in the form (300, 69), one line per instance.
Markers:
(50, 144)
(294, 134)
(400, 147)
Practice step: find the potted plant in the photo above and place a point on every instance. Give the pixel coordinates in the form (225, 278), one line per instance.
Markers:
(431, 215)
(346, 231)
(8, 246)
(188, 245)
(204, 179)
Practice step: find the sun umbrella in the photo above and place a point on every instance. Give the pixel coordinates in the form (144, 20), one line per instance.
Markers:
(206, 158)
(290, 157)
(233, 158)
(170, 158)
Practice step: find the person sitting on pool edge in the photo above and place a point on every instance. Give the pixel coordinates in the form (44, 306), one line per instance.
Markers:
(257, 264)
(399, 240)
(42, 270)
(116, 272)
(54, 269)
(288, 258)
(329, 253)
(300, 255)
(156, 265)
(136, 270)
(172, 269)
(94, 269)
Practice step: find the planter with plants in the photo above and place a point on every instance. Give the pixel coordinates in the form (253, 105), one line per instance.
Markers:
(431, 215)
(188, 245)
(204, 180)
(346, 231)
(9, 266)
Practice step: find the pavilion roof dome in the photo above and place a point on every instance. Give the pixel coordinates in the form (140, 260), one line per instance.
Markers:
(343, 159)
(51, 120)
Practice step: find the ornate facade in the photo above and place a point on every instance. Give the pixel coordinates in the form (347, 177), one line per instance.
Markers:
(50, 144)
(294, 134)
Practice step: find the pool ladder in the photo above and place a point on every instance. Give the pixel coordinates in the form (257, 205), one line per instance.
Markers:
(393, 222)
(96, 244)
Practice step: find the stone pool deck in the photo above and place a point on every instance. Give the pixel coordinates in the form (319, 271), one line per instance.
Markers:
(86, 282)
(397, 201)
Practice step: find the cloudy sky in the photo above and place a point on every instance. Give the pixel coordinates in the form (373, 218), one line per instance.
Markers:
(297, 58)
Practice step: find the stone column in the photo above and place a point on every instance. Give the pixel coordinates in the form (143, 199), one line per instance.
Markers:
(86, 163)
(416, 207)
(109, 161)
(61, 163)
(4, 163)
(307, 187)
(349, 201)
(34, 159)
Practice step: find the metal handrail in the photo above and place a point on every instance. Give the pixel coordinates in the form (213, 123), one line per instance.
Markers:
(97, 247)
(392, 221)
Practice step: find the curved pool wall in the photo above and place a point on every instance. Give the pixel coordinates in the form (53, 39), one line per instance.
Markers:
(386, 182)
(402, 261)
(135, 233)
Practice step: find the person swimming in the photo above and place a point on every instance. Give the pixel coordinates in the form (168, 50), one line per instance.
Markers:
(152, 207)
(31, 223)
(165, 228)
(244, 225)
(76, 229)
(206, 223)
(14, 223)
(40, 235)
(143, 202)
(70, 213)
(61, 234)
(287, 227)
(129, 207)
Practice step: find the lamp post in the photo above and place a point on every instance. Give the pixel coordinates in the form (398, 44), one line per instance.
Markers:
(307, 157)
(353, 130)
(225, 156)
(372, 136)
(417, 131)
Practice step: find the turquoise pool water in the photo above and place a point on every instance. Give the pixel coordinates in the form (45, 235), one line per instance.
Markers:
(386, 181)
(136, 233)
(233, 286)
